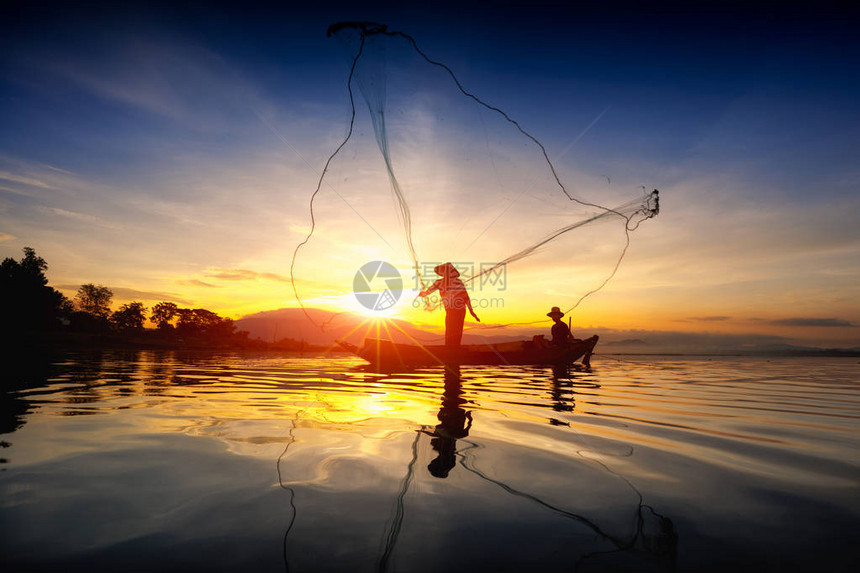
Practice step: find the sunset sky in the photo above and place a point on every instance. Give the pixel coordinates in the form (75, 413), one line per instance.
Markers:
(170, 154)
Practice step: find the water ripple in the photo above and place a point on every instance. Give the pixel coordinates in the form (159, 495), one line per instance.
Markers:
(604, 463)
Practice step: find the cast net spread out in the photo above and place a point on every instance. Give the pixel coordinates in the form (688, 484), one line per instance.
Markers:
(469, 185)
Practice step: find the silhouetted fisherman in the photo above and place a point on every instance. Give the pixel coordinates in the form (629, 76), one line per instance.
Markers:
(455, 299)
(561, 335)
(454, 424)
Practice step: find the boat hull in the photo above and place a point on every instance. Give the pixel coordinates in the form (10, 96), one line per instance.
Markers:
(384, 354)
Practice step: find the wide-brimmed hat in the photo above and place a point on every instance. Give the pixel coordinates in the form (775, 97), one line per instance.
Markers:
(446, 270)
(555, 312)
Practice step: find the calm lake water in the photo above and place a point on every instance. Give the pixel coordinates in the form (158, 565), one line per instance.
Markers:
(203, 462)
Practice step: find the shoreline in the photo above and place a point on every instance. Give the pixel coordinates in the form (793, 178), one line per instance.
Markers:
(153, 340)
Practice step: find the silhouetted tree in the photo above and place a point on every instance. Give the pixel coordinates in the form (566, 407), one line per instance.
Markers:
(26, 302)
(29, 273)
(224, 329)
(130, 316)
(163, 313)
(34, 267)
(202, 323)
(195, 322)
(29, 306)
(94, 300)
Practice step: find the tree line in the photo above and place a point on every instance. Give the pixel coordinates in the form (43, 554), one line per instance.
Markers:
(29, 306)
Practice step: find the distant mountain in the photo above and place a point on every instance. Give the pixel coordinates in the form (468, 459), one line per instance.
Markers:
(792, 350)
(324, 327)
(627, 342)
(292, 323)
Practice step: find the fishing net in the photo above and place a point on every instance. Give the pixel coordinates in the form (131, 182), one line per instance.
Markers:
(429, 172)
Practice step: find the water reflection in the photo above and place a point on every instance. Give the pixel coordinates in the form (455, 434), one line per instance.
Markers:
(13, 411)
(654, 537)
(219, 455)
(292, 492)
(562, 393)
(20, 373)
(454, 423)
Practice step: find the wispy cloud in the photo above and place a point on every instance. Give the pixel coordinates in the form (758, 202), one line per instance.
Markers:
(24, 180)
(709, 318)
(244, 275)
(176, 79)
(83, 217)
(33, 179)
(196, 282)
(7, 189)
(822, 322)
(6, 236)
(134, 294)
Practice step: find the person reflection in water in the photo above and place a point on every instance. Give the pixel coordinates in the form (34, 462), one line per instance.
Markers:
(455, 299)
(562, 391)
(454, 424)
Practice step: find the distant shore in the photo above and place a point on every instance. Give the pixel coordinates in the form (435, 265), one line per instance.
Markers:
(152, 339)
(800, 353)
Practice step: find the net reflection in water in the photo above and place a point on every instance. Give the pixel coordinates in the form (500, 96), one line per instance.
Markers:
(220, 462)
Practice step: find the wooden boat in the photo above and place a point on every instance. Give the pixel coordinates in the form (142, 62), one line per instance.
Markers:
(386, 355)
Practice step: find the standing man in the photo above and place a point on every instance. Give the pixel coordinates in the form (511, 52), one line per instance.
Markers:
(455, 299)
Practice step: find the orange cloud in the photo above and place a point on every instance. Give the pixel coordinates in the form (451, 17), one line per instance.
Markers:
(244, 275)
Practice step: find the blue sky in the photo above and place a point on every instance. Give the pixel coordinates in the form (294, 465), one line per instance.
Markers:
(159, 149)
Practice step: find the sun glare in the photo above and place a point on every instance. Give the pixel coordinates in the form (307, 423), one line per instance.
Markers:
(354, 305)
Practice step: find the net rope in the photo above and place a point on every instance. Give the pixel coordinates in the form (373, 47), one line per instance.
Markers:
(373, 90)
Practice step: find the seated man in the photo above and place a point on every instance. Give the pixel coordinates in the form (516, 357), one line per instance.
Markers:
(560, 332)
